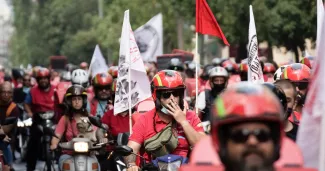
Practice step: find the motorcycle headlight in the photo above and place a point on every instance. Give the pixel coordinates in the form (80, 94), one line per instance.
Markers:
(80, 147)
(175, 165)
(48, 115)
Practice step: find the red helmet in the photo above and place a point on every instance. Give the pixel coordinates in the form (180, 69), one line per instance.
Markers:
(243, 67)
(113, 70)
(296, 72)
(269, 68)
(83, 65)
(102, 79)
(114, 86)
(43, 72)
(263, 106)
(308, 60)
(166, 80)
(230, 66)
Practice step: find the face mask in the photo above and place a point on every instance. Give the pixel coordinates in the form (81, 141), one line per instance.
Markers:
(217, 88)
(164, 110)
(288, 114)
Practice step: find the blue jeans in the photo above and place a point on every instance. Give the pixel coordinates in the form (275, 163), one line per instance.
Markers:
(7, 154)
(64, 157)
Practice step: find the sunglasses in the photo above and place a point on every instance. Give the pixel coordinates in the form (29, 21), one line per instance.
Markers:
(103, 88)
(301, 85)
(166, 95)
(241, 136)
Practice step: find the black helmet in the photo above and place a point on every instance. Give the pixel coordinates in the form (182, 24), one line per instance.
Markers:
(279, 93)
(75, 90)
(176, 65)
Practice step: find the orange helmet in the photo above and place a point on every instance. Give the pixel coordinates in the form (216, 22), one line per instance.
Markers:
(113, 70)
(308, 60)
(230, 66)
(102, 79)
(166, 80)
(269, 68)
(227, 111)
(43, 72)
(296, 72)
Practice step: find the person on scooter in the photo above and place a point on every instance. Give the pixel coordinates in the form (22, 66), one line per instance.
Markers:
(247, 131)
(7, 109)
(39, 100)
(169, 117)
(76, 103)
(218, 79)
(102, 101)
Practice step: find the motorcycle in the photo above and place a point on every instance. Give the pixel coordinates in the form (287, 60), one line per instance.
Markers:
(164, 163)
(46, 121)
(7, 121)
(82, 148)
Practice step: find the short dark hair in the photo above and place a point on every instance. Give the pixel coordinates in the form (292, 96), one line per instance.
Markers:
(286, 84)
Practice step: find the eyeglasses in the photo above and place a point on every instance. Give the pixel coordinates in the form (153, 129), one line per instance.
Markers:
(103, 88)
(241, 136)
(166, 95)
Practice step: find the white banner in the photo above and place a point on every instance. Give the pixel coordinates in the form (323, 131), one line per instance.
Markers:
(149, 39)
(311, 132)
(255, 73)
(98, 63)
(130, 70)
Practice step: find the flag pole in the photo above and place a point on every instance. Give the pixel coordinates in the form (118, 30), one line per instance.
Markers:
(130, 105)
(197, 72)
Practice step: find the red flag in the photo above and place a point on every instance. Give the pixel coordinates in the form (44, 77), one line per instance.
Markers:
(206, 23)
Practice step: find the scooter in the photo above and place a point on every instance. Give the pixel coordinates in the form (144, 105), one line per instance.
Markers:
(164, 163)
(82, 148)
(45, 123)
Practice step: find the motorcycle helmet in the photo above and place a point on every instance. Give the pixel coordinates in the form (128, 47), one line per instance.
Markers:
(279, 93)
(296, 72)
(102, 79)
(268, 68)
(113, 71)
(230, 66)
(167, 80)
(243, 70)
(278, 72)
(80, 77)
(216, 61)
(75, 90)
(308, 60)
(66, 76)
(43, 72)
(218, 72)
(238, 104)
(176, 65)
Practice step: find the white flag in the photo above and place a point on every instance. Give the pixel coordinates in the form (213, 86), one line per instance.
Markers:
(311, 132)
(255, 73)
(320, 14)
(149, 38)
(130, 62)
(98, 63)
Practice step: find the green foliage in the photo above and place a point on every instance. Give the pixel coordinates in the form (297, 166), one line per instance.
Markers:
(73, 28)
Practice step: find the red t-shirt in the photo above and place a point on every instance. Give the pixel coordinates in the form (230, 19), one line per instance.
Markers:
(117, 124)
(143, 129)
(295, 117)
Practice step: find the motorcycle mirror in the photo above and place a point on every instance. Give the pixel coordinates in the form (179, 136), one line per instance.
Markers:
(123, 138)
(123, 150)
(10, 120)
(96, 121)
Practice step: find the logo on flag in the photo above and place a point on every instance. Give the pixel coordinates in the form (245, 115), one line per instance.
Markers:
(149, 38)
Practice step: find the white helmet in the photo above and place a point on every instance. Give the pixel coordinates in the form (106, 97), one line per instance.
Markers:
(218, 71)
(278, 72)
(80, 77)
(66, 76)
